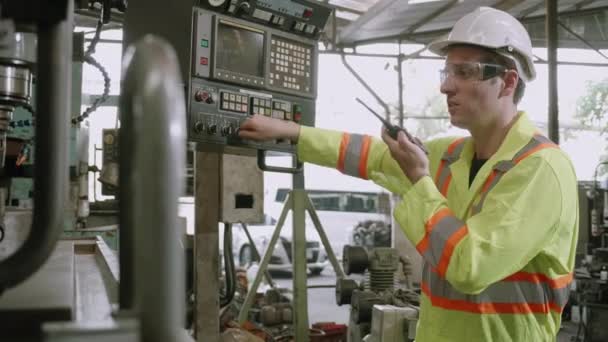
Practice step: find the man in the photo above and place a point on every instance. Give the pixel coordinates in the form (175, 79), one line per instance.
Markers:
(494, 215)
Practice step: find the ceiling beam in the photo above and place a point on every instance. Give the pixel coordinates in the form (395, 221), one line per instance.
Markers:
(430, 17)
(505, 5)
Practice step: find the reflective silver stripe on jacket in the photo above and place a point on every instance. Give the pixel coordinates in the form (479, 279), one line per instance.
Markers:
(540, 296)
(353, 154)
(505, 165)
(447, 160)
(438, 237)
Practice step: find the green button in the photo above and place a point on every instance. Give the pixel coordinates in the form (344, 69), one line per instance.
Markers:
(204, 43)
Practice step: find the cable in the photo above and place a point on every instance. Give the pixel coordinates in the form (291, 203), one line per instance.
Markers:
(89, 59)
(228, 295)
(106, 90)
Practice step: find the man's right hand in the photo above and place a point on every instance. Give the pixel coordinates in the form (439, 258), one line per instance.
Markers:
(262, 128)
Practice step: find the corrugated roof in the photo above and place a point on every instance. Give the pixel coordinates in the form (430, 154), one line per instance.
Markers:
(423, 21)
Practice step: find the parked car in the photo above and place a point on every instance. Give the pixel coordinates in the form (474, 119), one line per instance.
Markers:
(340, 213)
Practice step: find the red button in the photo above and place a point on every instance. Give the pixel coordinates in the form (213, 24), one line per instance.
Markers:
(204, 60)
(307, 13)
(297, 117)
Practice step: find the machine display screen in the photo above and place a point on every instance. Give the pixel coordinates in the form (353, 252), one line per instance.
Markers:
(240, 50)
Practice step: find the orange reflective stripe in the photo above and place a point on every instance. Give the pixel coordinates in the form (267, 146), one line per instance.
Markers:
(446, 185)
(450, 244)
(439, 169)
(491, 177)
(488, 307)
(342, 153)
(443, 176)
(537, 143)
(423, 245)
(523, 292)
(539, 147)
(367, 142)
(538, 278)
(455, 143)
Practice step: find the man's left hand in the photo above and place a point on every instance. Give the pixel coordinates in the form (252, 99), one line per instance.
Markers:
(412, 160)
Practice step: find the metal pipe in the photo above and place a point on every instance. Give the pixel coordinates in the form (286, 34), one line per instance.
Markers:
(400, 86)
(552, 41)
(366, 86)
(152, 159)
(581, 39)
(537, 61)
(256, 254)
(54, 57)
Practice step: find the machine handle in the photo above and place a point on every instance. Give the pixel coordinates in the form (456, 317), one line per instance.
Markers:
(264, 167)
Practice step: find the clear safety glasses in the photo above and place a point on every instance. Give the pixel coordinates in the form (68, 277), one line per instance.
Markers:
(475, 71)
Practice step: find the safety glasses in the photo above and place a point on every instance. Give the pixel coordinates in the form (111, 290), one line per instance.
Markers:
(475, 71)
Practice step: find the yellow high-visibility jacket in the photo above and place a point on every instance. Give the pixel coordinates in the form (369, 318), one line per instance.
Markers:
(499, 254)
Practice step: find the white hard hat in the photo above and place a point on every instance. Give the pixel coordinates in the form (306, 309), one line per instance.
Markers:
(496, 30)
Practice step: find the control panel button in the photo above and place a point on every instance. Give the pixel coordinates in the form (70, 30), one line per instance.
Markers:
(307, 13)
(199, 127)
(262, 15)
(212, 129)
(227, 130)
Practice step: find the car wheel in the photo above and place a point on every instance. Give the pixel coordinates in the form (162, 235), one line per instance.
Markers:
(246, 256)
(316, 271)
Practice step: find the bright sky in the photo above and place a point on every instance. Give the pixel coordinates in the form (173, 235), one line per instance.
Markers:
(337, 108)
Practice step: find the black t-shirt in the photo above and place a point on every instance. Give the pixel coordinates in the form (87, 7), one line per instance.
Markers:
(476, 164)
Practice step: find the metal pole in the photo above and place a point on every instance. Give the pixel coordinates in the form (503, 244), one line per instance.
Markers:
(400, 87)
(243, 314)
(256, 254)
(298, 247)
(366, 86)
(151, 174)
(552, 41)
(330, 251)
(53, 89)
(207, 182)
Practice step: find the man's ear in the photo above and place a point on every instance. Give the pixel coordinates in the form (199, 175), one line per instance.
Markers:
(510, 80)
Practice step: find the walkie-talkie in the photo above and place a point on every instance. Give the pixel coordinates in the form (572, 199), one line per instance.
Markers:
(393, 130)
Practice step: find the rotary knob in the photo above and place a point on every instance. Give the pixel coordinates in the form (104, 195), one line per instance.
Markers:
(199, 127)
(216, 3)
(245, 7)
(212, 129)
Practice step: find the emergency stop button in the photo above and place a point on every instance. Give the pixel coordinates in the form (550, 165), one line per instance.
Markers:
(297, 112)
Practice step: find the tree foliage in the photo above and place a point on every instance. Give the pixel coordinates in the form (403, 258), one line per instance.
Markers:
(592, 108)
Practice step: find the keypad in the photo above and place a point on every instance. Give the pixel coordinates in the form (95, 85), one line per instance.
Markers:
(234, 102)
(290, 65)
(261, 106)
(281, 110)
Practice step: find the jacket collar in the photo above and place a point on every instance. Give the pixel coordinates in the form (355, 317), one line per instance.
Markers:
(518, 136)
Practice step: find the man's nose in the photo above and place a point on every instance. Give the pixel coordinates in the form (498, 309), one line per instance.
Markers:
(447, 85)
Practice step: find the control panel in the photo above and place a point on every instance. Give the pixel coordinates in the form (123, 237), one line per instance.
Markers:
(305, 18)
(252, 57)
(235, 51)
(217, 110)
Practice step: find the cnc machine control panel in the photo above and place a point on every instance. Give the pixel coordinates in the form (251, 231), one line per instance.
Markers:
(252, 57)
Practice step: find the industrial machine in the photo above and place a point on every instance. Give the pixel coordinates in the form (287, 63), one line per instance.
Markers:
(252, 57)
(238, 58)
(589, 300)
(376, 299)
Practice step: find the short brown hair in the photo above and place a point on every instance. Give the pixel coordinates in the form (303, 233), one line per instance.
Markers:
(492, 57)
